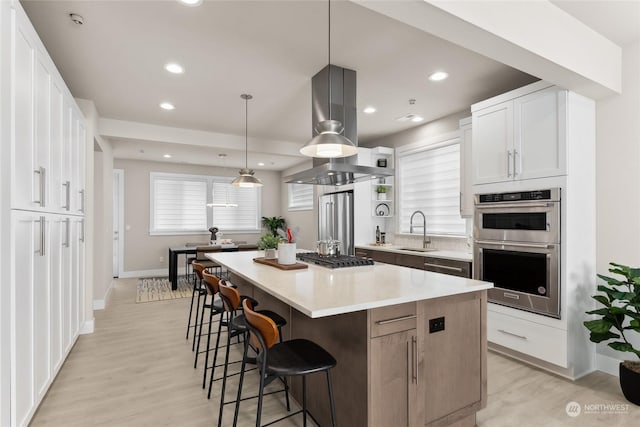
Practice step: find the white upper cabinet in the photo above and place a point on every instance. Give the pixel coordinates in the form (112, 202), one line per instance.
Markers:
(466, 191)
(520, 138)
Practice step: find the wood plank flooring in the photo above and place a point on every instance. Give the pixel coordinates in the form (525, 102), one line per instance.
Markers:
(137, 370)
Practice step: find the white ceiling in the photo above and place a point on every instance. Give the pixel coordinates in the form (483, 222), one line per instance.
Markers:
(270, 49)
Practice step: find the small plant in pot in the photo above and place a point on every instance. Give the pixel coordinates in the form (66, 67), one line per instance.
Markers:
(382, 192)
(268, 243)
(618, 319)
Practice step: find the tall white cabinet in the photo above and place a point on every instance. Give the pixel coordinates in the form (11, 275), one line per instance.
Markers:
(42, 218)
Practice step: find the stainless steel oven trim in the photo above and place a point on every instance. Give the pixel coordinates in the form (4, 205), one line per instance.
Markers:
(550, 235)
(548, 305)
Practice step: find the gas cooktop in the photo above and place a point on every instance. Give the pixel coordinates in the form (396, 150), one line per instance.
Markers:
(333, 261)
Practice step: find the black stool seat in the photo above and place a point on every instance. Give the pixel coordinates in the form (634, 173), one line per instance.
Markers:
(298, 357)
(239, 322)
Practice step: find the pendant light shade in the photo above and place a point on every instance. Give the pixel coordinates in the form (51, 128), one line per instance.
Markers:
(329, 143)
(246, 178)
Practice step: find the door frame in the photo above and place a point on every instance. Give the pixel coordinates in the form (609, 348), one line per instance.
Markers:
(119, 173)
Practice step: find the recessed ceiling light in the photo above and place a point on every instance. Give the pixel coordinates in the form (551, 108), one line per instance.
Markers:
(167, 106)
(191, 2)
(260, 164)
(167, 156)
(417, 119)
(369, 110)
(174, 68)
(438, 75)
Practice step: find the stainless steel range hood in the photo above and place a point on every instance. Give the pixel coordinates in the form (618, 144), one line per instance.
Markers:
(343, 107)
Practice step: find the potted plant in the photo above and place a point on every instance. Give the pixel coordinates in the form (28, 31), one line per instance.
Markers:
(268, 243)
(382, 192)
(273, 223)
(618, 319)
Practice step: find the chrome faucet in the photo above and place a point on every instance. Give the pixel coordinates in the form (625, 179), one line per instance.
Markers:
(425, 240)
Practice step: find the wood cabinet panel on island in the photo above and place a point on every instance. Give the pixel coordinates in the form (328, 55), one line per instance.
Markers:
(421, 362)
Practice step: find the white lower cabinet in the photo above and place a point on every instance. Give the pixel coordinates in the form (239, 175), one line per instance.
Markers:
(45, 295)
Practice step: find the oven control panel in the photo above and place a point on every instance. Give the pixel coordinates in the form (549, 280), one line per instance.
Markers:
(551, 194)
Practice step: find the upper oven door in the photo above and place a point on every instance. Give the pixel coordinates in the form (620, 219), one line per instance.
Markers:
(526, 221)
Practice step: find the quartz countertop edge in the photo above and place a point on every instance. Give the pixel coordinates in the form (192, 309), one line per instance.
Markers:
(444, 254)
(319, 291)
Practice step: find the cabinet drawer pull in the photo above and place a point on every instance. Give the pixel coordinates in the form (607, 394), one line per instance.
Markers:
(446, 267)
(522, 337)
(395, 319)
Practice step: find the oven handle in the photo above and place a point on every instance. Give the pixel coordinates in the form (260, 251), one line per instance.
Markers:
(518, 245)
(515, 205)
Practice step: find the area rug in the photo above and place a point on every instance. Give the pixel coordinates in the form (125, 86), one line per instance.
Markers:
(159, 289)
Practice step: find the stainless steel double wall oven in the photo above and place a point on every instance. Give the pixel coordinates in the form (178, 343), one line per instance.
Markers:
(517, 247)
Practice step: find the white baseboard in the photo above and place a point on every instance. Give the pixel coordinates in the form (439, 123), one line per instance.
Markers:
(87, 327)
(608, 364)
(159, 272)
(101, 304)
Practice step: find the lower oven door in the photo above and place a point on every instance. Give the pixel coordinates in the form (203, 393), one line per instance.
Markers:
(525, 275)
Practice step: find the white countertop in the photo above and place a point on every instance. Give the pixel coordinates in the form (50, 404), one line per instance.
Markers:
(319, 291)
(454, 255)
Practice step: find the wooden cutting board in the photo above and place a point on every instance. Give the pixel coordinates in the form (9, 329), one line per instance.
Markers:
(274, 263)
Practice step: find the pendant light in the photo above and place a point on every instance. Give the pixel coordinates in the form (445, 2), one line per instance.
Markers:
(329, 143)
(246, 178)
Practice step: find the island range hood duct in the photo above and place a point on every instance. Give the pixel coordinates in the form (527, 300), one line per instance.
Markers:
(343, 170)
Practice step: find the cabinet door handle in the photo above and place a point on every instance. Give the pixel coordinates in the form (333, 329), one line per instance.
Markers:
(42, 251)
(81, 201)
(414, 356)
(395, 319)
(522, 337)
(444, 267)
(82, 230)
(67, 197)
(515, 169)
(508, 163)
(41, 178)
(460, 203)
(67, 224)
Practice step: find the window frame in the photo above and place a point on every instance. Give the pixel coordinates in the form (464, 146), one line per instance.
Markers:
(209, 180)
(290, 186)
(432, 143)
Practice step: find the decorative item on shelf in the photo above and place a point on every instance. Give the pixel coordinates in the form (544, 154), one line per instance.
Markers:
(382, 180)
(273, 223)
(287, 249)
(382, 192)
(246, 178)
(382, 209)
(329, 143)
(268, 243)
(382, 163)
(619, 316)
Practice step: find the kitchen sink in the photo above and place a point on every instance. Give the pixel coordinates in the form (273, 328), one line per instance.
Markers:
(418, 249)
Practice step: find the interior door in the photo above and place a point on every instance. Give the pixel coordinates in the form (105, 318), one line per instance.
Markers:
(117, 201)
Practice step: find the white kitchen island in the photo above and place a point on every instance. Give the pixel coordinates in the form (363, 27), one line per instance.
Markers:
(383, 324)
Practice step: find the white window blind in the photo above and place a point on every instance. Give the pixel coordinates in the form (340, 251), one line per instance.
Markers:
(300, 197)
(179, 204)
(245, 216)
(429, 180)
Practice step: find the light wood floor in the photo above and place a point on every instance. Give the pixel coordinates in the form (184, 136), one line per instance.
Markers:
(137, 370)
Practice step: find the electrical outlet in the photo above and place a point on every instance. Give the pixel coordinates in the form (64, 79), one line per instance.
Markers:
(436, 325)
(161, 259)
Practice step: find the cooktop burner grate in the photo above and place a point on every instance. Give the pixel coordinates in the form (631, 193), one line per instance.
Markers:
(335, 261)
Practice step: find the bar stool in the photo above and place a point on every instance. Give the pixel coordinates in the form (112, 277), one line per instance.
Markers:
(297, 357)
(211, 283)
(237, 326)
(197, 288)
(188, 261)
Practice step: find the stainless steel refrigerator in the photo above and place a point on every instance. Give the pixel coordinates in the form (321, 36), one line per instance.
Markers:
(335, 219)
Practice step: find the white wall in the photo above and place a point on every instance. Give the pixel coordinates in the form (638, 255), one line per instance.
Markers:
(103, 223)
(143, 252)
(305, 220)
(618, 175)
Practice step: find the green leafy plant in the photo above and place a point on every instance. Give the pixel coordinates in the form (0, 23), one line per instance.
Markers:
(273, 223)
(268, 241)
(381, 189)
(621, 312)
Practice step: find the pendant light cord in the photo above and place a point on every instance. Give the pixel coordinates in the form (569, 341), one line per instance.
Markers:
(329, 59)
(246, 132)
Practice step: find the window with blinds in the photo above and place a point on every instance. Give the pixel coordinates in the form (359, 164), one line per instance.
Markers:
(429, 181)
(300, 197)
(179, 205)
